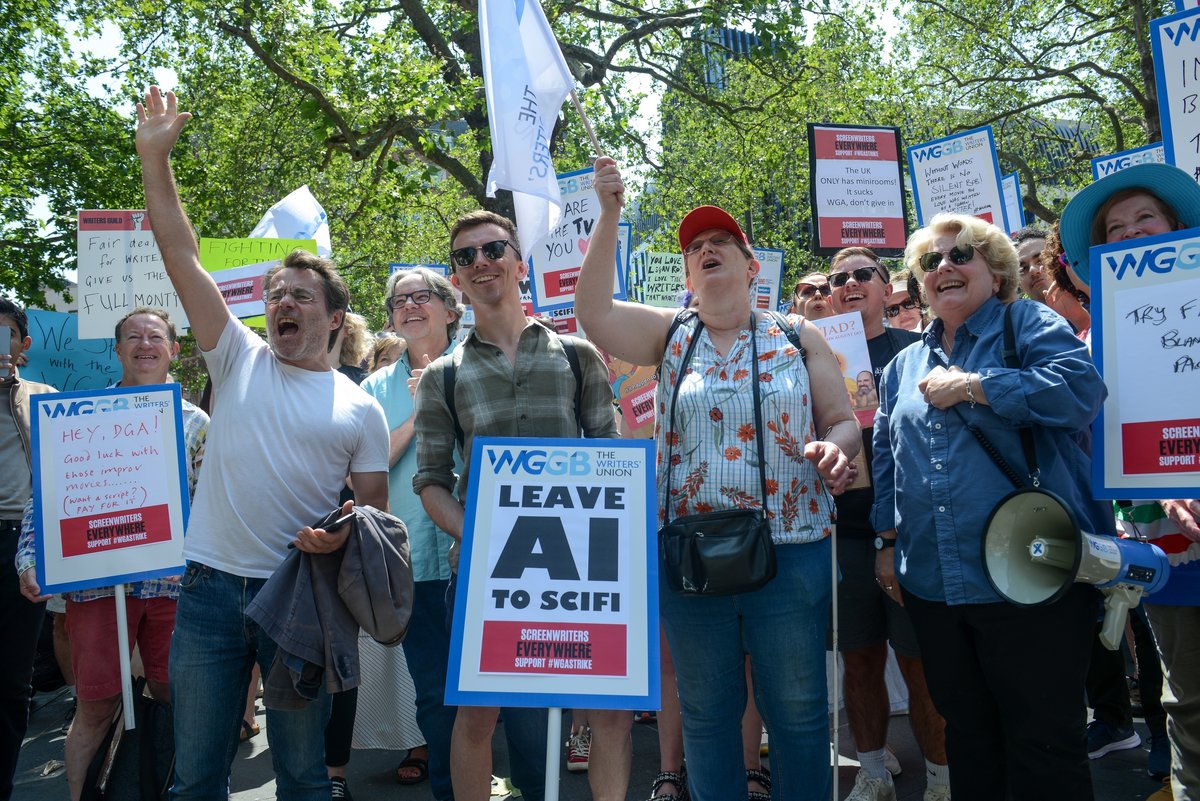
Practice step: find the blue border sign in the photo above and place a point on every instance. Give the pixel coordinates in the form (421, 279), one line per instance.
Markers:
(109, 486)
(557, 598)
(958, 173)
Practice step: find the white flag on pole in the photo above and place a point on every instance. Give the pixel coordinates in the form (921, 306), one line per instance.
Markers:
(297, 216)
(526, 81)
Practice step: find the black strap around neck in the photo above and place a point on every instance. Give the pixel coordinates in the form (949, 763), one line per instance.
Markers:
(758, 436)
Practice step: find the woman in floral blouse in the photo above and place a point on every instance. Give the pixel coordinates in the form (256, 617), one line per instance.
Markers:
(711, 443)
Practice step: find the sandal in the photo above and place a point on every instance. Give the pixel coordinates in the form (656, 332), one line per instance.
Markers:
(763, 777)
(670, 777)
(249, 730)
(412, 762)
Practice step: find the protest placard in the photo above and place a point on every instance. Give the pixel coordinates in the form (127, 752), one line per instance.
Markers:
(634, 387)
(1014, 209)
(109, 486)
(958, 173)
(766, 289)
(239, 265)
(119, 269)
(663, 285)
(557, 596)
(847, 337)
(58, 357)
(554, 265)
(1177, 76)
(441, 269)
(1104, 166)
(1146, 343)
(856, 187)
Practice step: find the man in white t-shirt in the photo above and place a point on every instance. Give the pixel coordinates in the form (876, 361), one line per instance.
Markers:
(286, 431)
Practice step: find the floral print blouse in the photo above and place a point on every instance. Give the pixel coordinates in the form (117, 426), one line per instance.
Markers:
(711, 443)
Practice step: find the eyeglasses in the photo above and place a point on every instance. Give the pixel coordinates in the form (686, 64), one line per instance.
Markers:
(806, 291)
(717, 241)
(420, 297)
(862, 275)
(299, 295)
(465, 257)
(904, 305)
(959, 254)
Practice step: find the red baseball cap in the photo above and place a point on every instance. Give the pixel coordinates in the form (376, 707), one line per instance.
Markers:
(704, 218)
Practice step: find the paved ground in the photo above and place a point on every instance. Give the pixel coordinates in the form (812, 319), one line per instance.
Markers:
(1118, 777)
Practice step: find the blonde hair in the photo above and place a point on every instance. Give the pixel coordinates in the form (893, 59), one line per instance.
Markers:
(383, 345)
(992, 244)
(356, 344)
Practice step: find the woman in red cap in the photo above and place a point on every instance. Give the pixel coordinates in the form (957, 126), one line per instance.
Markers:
(708, 452)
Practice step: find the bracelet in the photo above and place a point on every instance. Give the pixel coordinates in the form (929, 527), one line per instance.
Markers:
(970, 394)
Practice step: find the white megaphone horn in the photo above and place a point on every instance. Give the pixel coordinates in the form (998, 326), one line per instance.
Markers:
(1034, 550)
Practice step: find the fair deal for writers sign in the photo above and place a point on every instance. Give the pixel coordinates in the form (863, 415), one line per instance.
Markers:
(109, 486)
(557, 600)
(1146, 344)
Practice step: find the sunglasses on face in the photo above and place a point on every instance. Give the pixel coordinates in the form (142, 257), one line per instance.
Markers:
(420, 297)
(959, 254)
(465, 257)
(862, 275)
(904, 305)
(806, 291)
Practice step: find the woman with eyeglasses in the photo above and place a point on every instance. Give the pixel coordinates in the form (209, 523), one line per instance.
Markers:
(1007, 679)
(708, 452)
(810, 299)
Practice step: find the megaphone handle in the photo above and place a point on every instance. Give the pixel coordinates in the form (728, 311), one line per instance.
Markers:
(1116, 609)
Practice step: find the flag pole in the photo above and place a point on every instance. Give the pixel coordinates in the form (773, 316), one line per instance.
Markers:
(587, 125)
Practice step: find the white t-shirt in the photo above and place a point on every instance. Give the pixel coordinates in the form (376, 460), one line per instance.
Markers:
(281, 443)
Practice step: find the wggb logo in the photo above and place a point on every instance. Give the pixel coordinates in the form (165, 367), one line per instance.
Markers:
(537, 462)
(1159, 260)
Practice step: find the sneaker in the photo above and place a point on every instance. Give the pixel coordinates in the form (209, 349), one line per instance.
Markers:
(1158, 763)
(937, 792)
(868, 788)
(339, 790)
(503, 790)
(1104, 739)
(579, 748)
(891, 762)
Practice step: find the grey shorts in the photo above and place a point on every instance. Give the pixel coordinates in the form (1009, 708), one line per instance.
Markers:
(866, 615)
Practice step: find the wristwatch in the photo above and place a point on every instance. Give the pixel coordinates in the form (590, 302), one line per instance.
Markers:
(881, 542)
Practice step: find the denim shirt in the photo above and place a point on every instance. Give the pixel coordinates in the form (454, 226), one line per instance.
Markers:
(936, 485)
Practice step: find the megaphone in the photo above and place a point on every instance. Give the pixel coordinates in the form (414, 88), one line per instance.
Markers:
(1034, 550)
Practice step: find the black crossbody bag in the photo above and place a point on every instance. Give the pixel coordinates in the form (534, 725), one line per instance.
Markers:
(720, 553)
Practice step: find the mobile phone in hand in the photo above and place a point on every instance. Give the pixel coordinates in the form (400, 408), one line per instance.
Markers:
(334, 520)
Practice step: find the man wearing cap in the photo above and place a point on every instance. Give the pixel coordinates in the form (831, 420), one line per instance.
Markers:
(512, 378)
(1145, 200)
(868, 619)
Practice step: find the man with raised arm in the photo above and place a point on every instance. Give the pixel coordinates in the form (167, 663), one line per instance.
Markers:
(285, 433)
(513, 379)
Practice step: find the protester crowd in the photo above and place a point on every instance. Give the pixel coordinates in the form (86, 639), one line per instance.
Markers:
(324, 415)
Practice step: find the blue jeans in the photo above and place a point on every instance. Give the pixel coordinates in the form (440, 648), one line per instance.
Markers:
(212, 653)
(782, 627)
(427, 649)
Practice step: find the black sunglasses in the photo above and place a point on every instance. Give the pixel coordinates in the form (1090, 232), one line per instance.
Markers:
(906, 305)
(959, 254)
(420, 297)
(862, 275)
(806, 291)
(465, 257)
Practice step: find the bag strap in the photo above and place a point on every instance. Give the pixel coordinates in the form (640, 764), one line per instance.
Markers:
(448, 389)
(687, 357)
(792, 335)
(577, 371)
(1011, 359)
